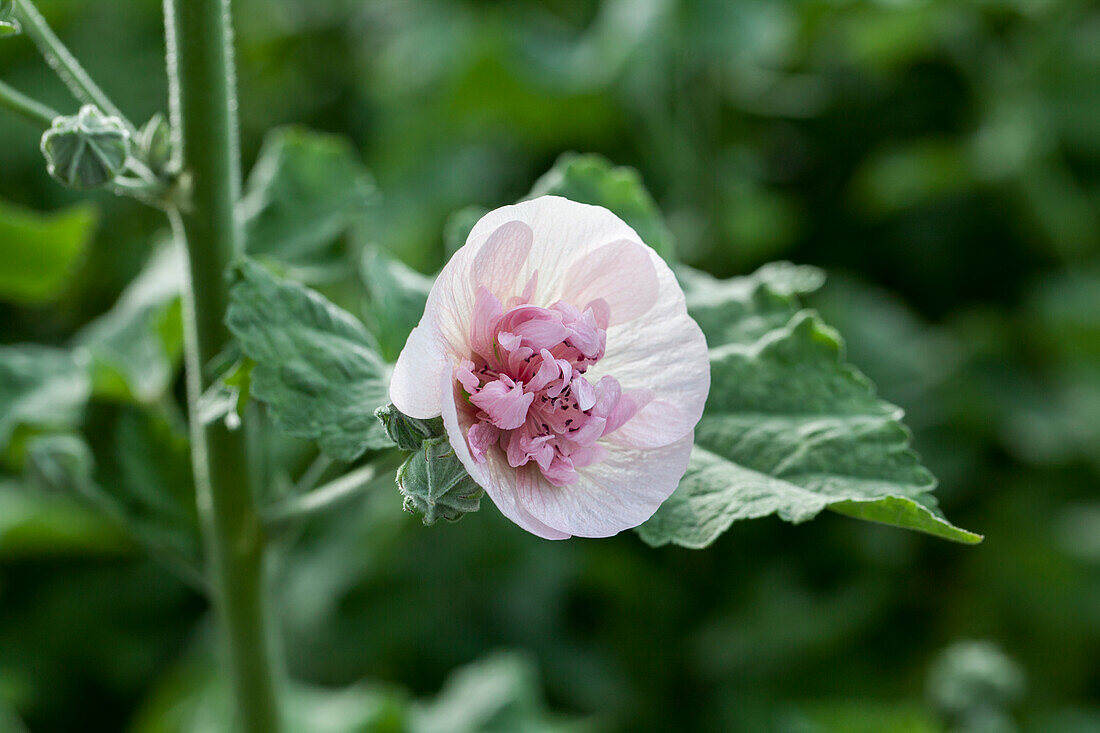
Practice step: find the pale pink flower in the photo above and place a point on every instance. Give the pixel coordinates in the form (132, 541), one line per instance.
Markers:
(558, 349)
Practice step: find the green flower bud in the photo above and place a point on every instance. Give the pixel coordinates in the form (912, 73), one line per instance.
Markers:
(87, 150)
(408, 432)
(9, 26)
(435, 483)
(154, 144)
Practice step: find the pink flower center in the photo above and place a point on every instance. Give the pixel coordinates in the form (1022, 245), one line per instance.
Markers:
(526, 387)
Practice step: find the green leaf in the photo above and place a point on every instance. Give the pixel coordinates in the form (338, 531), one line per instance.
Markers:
(592, 179)
(435, 483)
(789, 427)
(316, 366)
(151, 499)
(136, 347)
(500, 693)
(33, 523)
(41, 388)
(193, 698)
(40, 252)
(396, 295)
(305, 191)
(742, 309)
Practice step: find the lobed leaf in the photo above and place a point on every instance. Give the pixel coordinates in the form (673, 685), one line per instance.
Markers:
(316, 366)
(789, 428)
(305, 191)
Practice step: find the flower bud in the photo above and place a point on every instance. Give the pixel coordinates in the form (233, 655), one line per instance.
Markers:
(408, 432)
(154, 144)
(9, 26)
(87, 150)
(435, 483)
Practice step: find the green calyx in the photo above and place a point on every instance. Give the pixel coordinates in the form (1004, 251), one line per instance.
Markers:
(408, 432)
(433, 482)
(87, 150)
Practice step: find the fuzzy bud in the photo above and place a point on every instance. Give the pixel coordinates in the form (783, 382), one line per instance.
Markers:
(87, 150)
(436, 485)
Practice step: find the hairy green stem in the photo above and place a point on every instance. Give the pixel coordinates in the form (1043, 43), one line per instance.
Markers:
(62, 61)
(27, 108)
(203, 107)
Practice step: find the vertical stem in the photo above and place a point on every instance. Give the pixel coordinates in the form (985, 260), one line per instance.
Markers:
(203, 106)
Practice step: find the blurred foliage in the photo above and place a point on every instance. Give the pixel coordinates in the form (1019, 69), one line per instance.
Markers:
(938, 158)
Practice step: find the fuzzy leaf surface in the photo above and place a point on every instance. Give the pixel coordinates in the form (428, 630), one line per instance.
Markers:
(316, 365)
(790, 428)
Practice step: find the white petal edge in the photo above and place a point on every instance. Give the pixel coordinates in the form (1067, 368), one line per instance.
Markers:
(664, 352)
(495, 475)
(618, 493)
(414, 385)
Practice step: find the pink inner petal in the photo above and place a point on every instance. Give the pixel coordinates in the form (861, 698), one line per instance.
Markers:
(528, 394)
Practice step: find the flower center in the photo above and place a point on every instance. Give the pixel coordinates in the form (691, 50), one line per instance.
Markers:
(526, 387)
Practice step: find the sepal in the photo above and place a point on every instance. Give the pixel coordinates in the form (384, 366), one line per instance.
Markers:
(435, 484)
(153, 145)
(408, 432)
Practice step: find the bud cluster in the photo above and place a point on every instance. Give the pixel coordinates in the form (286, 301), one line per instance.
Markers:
(433, 481)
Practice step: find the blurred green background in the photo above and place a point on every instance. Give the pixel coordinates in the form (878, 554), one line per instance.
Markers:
(939, 158)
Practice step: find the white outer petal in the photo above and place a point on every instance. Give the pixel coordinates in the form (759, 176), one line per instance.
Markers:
(506, 246)
(665, 352)
(416, 376)
(617, 493)
(564, 232)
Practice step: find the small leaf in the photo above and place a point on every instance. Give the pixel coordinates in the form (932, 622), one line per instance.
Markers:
(396, 295)
(436, 485)
(316, 366)
(227, 397)
(40, 387)
(304, 192)
(136, 346)
(87, 150)
(789, 427)
(592, 179)
(41, 252)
